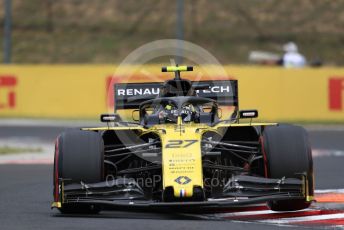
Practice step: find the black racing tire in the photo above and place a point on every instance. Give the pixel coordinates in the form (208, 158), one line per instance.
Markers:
(288, 153)
(80, 158)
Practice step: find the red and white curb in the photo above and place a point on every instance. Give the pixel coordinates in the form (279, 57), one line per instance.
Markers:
(309, 219)
(316, 216)
(312, 217)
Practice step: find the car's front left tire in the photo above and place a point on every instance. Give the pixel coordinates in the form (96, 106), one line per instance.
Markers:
(288, 154)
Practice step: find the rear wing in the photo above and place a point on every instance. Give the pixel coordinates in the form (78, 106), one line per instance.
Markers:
(131, 95)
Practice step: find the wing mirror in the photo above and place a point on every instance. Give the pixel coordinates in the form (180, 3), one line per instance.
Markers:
(248, 113)
(110, 117)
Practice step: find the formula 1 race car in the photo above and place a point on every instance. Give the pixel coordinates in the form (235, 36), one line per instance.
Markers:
(178, 155)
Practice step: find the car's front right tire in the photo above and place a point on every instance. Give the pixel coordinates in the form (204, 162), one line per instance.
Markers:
(79, 157)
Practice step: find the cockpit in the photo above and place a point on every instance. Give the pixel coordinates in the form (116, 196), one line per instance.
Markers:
(187, 109)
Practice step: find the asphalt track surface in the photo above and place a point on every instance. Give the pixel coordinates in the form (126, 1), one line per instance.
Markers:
(26, 193)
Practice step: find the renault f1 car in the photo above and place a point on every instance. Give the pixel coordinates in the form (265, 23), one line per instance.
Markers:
(178, 155)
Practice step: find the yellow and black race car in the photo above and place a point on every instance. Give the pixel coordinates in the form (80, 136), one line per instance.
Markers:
(178, 155)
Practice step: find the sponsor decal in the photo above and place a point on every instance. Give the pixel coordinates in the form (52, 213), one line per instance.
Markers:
(336, 89)
(137, 92)
(223, 91)
(182, 180)
(7, 92)
(156, 91)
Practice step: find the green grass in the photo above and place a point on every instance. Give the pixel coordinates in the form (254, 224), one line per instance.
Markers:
(5, 150)
(107, 31)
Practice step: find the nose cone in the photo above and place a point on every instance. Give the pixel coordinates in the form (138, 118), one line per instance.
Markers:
(182, 161)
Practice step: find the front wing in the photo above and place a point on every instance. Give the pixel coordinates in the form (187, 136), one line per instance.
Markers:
(125, 193)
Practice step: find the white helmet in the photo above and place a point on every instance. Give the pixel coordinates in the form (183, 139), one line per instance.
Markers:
(290, 47)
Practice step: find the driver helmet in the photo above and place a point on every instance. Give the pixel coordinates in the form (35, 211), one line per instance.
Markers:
(168, 112)
(187, 112)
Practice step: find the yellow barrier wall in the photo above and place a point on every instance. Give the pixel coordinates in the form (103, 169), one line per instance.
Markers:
(81, 91)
